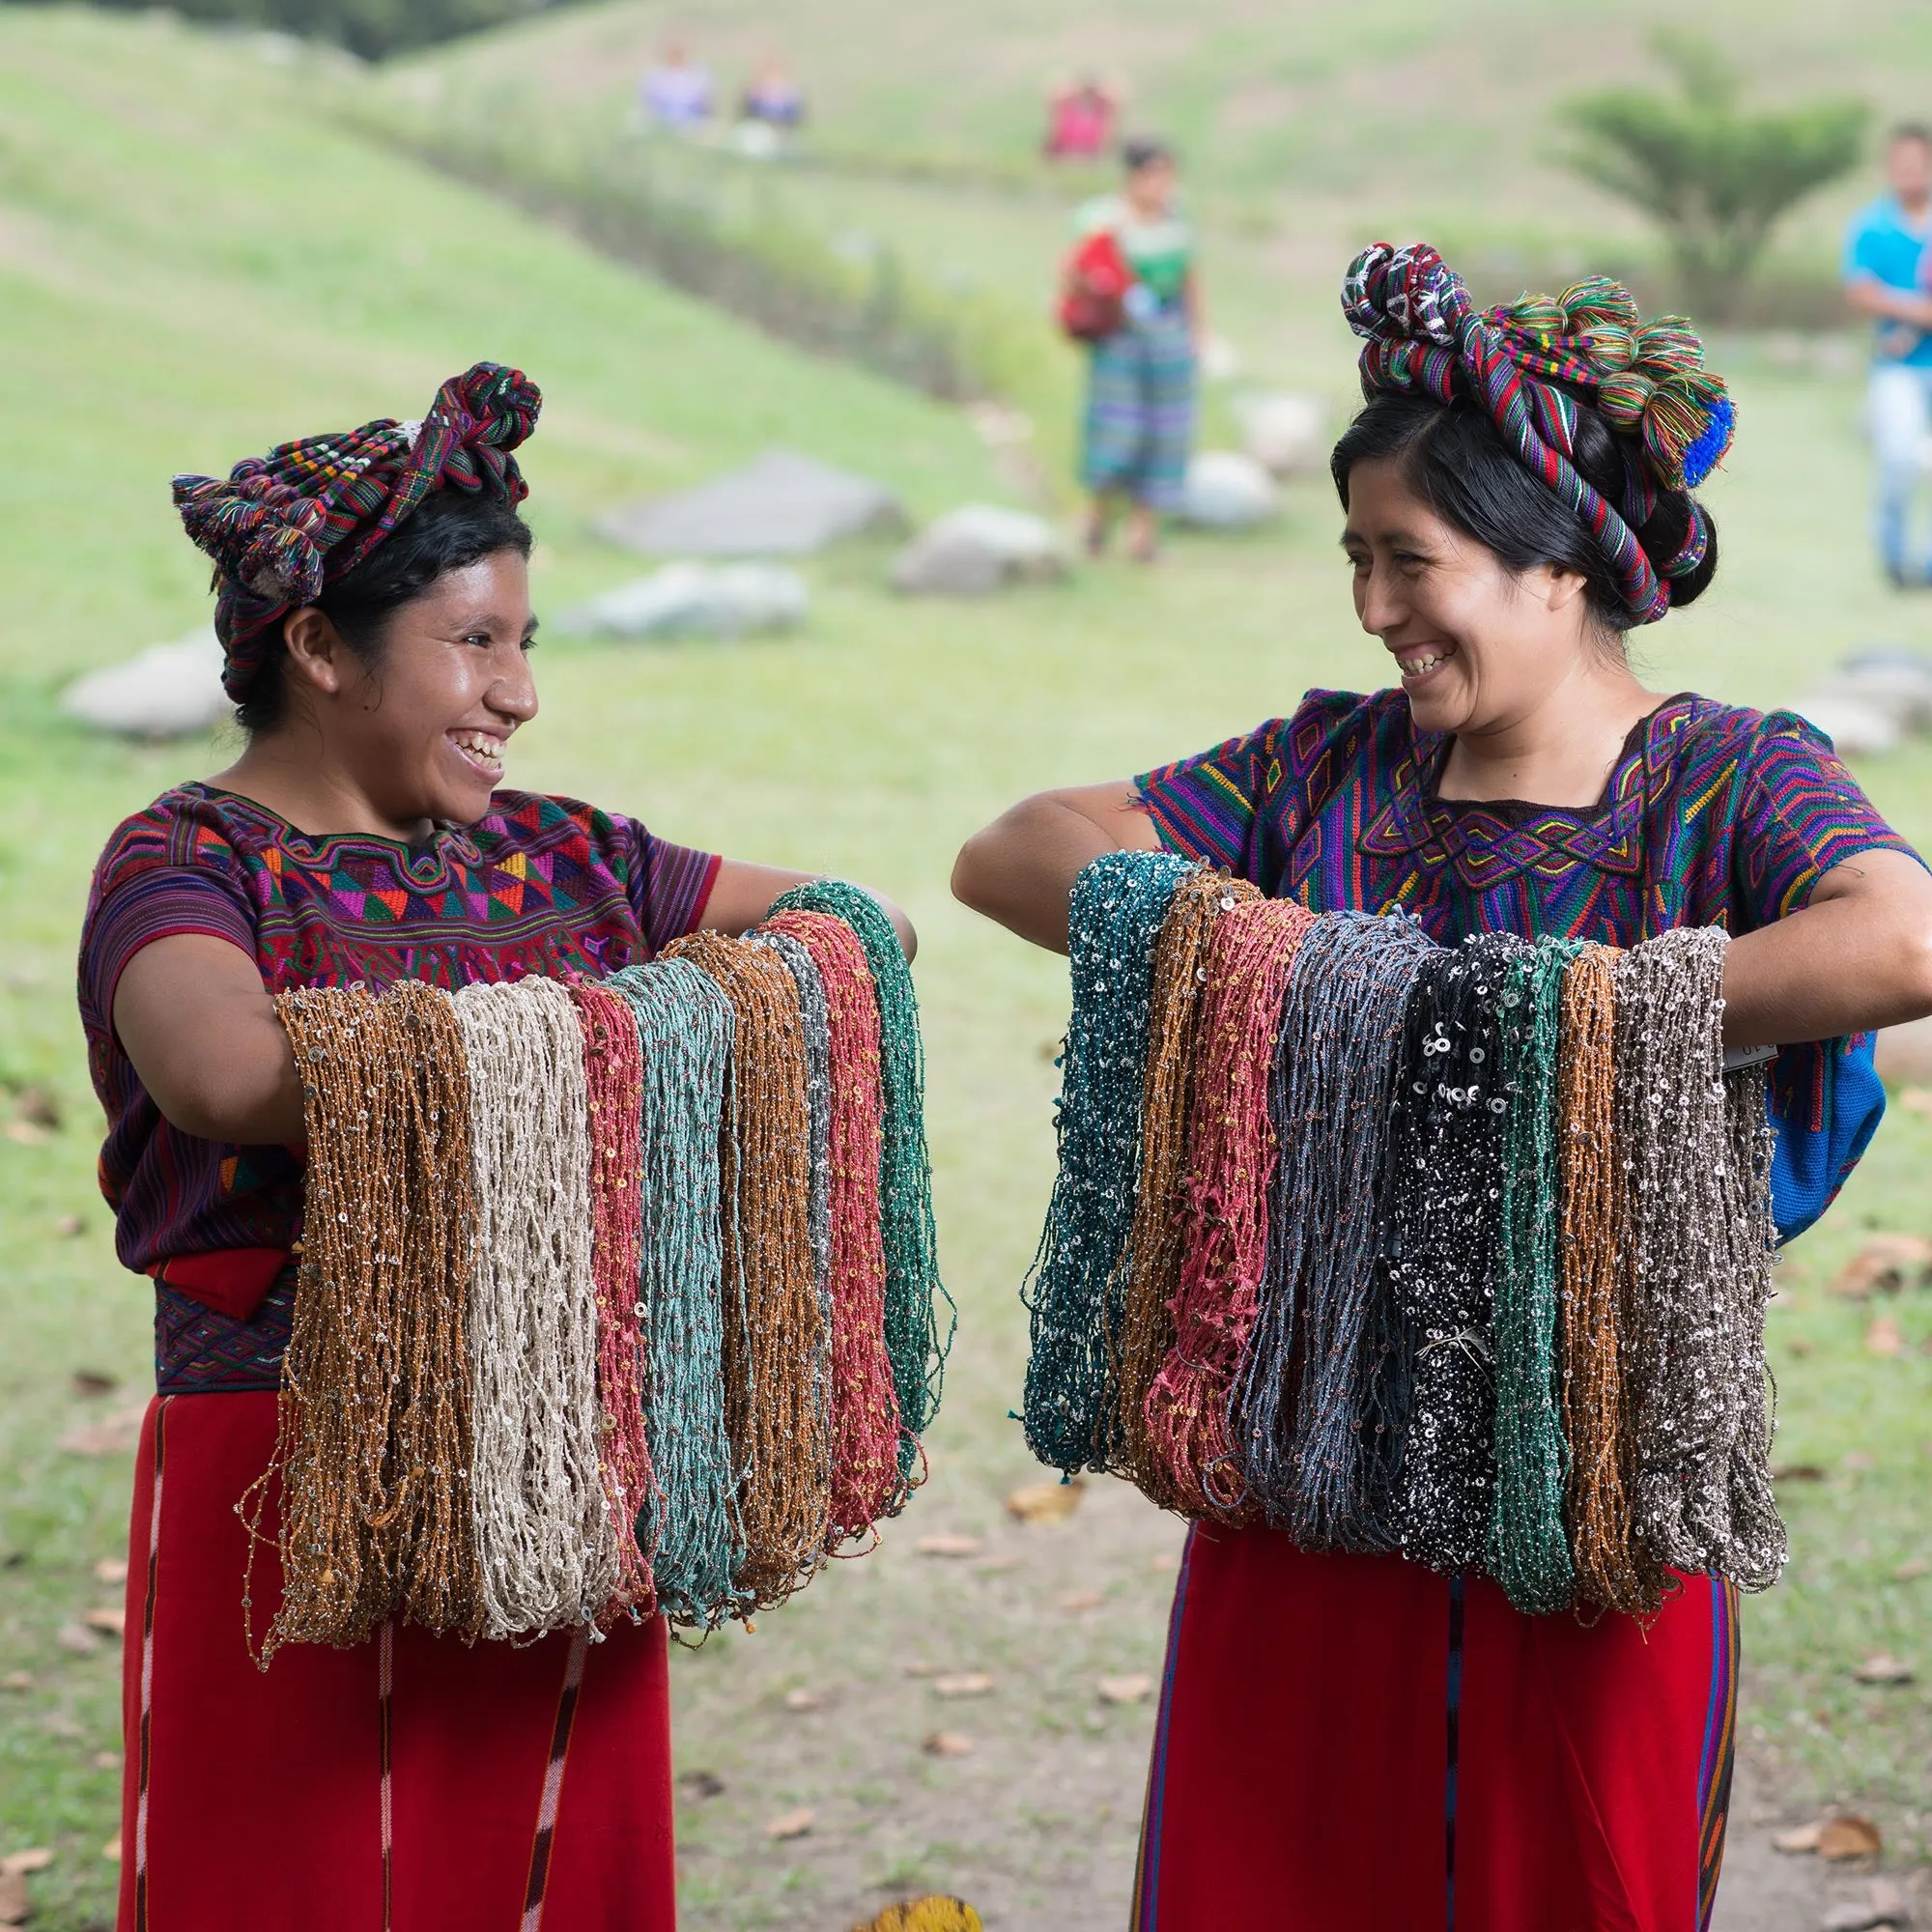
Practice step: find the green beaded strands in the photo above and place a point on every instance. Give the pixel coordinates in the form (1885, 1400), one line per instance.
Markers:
(1528, 1553)
(905, 1170)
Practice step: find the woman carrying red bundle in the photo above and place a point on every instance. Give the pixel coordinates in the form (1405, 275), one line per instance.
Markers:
(374, 608)
(1355, 1738)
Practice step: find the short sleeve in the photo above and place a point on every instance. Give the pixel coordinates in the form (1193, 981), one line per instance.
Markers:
(1208, 807)
(1801, 813)
(670, 885)
(159, 876)
(1862, 248)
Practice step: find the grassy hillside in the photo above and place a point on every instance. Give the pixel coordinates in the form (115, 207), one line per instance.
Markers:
(195, 260)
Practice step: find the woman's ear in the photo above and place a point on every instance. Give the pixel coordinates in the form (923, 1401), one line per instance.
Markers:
(317, 654)
(1567, 589)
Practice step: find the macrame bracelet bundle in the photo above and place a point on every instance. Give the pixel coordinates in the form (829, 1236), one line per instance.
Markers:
(614, 1295)
(1461, 1252)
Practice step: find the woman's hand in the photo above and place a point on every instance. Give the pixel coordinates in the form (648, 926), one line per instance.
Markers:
(1859, 956)
(201, 1030)
(1020, 870)
(742, 895)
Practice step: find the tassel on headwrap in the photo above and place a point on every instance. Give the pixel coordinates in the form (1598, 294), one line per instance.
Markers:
(1424, 335)
(281, 526)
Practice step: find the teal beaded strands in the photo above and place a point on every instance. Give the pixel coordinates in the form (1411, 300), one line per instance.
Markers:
(1075, 1288)
(913, 1287)
(685, 1029)
(1528, 1553)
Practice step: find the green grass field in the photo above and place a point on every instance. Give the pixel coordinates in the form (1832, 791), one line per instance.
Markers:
(195, 261)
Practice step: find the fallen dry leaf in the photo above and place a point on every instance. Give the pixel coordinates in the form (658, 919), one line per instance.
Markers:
(919, 1667)
(1799, 1839)
(1126, 1690)
(91, 1382)
(1006, 1560)
(112, 1849)
(1850, 1838)
(804, 1701)
(14, 1902)
(77, 1639)
(1912, 1566)
(114, 1435)
(1916, 1099)
(1885, 1264)
(1080, 1601)
(68, 1225)
(789, 1824)
(1884, 1337)
(37, 1106)
(948, 1744)
(1167, 1562)
(106, 1760)
(27, 1134)
(18, 1680)
(1883, 1669)
(701, 1784)
(1798, 1472)
(949, 1543)
(1047, 1502)
(38, 1859)
(109, 1617)
(111, 1570)
(963, 1684)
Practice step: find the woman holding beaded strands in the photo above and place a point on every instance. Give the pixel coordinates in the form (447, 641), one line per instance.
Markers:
(374, 607)
(1337, 1733)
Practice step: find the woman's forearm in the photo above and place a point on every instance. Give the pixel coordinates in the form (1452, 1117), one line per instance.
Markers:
(1858, 956)
(1020, 870)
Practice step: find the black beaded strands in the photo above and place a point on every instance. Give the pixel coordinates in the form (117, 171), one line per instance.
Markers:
(1324, 1387)
(1444, 1190)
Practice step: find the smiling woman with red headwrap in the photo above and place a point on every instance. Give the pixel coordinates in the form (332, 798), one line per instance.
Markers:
(374, 605)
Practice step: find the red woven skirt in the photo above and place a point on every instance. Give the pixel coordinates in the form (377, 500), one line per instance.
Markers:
(1358, 1740)
(414, 1784)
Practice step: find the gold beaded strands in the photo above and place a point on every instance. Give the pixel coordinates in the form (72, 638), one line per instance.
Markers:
(373, 1438)
(772, 1319)
(1595, 1407)
(548, 1550)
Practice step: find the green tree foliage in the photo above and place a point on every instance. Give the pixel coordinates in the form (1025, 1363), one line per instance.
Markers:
(370, 28)
(1714, 174)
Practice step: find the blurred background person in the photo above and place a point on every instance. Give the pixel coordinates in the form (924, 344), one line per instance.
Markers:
(1139, 426)
(674, 92)
(1080, 121)
(1886, 260)
(773, 97)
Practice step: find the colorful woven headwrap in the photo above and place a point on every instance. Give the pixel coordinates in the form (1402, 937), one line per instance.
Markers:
(1424, 335)
(284, 524)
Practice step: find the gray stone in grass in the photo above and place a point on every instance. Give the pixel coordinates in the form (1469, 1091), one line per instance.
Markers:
(1227, 490)
(1857, 727)
(783, 505)
(1284, 433)
(694, 600)
(977, 550)
(1890, 679)
(167, 691)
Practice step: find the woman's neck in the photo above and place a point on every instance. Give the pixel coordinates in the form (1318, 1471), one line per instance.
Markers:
(1559, 752)
(299, 782)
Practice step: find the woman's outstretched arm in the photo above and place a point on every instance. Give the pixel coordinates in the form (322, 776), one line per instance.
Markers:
(1859, 956)
(1021, 869)
(742, 895)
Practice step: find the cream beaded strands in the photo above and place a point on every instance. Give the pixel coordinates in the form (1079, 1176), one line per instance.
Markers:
(1461, 1252)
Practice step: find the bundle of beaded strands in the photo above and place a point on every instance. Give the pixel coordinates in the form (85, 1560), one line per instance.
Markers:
(1456, 1251)
(614, 1295)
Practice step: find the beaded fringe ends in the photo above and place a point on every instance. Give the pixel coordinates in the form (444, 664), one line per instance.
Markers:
(614, 1296)
(1461, 1252)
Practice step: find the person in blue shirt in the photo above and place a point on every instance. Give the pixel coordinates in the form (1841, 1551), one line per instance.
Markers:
(1889, 277)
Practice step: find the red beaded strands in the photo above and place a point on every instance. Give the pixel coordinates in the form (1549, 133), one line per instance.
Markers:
(1232, 1158)
(865, 1422)
(615, 1077)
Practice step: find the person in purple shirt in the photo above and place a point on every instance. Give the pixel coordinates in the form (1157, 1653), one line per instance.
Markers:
(1887, 264)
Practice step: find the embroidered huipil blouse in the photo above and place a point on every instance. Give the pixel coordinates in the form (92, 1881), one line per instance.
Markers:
(1712, 815)
(541, 885)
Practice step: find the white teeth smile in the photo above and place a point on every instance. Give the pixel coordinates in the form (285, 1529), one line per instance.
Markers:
(1416, 667)
(480, 748)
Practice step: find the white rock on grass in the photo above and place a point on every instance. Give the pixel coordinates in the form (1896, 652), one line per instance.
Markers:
(1895, 681)
(977, 550)
(783, 505)
(168, 691)
(1284, 434)
(694, 600)
(1227, 491)
(1857, 727)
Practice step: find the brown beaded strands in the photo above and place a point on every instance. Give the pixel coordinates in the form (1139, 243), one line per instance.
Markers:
(1697, 1265)
(374, 1443)
(773, 1339)
(1153, 1257)
(1596, 1401)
